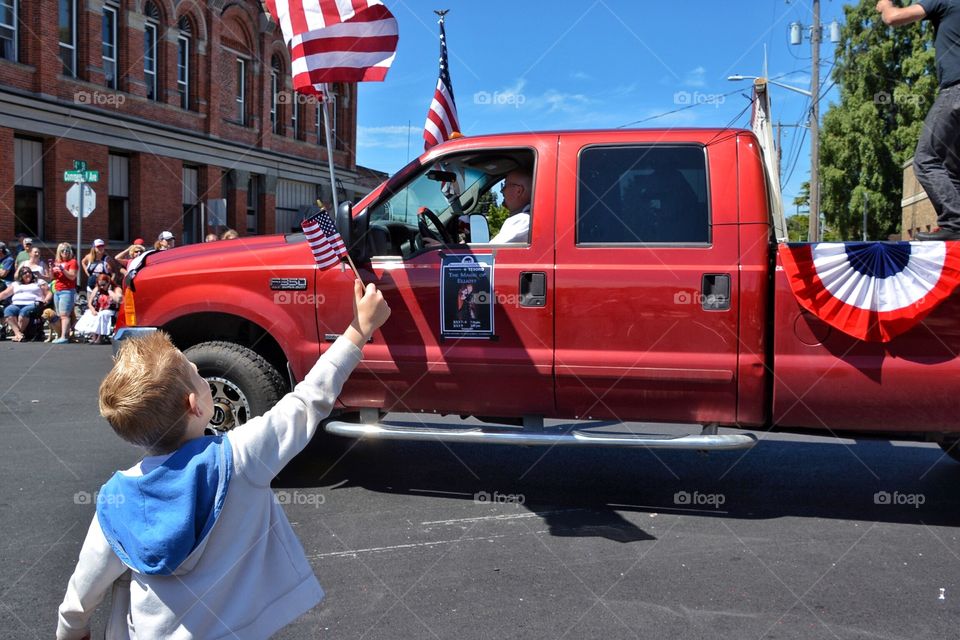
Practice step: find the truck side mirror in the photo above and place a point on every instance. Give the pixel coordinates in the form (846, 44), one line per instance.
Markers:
(344, 221)
(479, 229)
(354, 231)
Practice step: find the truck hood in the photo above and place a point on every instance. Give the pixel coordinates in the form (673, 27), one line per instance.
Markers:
(218, 250)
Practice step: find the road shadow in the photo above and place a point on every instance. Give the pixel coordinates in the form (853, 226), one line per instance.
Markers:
(582, 491)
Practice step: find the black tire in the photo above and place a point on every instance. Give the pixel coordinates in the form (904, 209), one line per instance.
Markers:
(951, 448)
(243, 383)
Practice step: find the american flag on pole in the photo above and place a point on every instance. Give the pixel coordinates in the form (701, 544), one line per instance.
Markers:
(324, 240)
(336, 40)
(442, 120)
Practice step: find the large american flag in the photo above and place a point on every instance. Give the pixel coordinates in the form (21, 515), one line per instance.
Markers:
(336, 40)
(324, 239)
(442, 120)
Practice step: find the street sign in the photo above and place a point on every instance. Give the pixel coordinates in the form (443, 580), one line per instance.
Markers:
(74, 200)
(79, 165)
(81, 176)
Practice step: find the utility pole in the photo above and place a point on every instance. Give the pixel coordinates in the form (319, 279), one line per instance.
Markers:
(815, 126)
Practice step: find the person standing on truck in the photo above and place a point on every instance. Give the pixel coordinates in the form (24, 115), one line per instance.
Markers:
(936, 162)
(517, 190)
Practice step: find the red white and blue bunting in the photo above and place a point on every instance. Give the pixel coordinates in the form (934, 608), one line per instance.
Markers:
(873, 291)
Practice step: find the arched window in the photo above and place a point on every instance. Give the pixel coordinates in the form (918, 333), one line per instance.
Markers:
(151, 50)
(276, 81)
(184, 41)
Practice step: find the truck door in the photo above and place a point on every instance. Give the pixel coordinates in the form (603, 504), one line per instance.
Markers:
(415, 367)
(647, 278)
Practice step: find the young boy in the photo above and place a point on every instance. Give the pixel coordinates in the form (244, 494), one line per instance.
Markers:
(206, 547)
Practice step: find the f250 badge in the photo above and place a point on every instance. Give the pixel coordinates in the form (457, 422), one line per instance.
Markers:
(288, 284)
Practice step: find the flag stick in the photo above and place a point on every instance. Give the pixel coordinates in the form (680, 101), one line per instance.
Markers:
(328, 133)
(352, 266)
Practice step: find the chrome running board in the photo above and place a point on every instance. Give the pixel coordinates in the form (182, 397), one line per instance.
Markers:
(575, 437)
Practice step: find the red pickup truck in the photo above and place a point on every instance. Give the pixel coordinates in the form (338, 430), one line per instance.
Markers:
(649, 288)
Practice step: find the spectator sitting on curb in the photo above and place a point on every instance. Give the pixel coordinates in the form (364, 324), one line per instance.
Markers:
(102, 306)
(230, 234)
(28, 293)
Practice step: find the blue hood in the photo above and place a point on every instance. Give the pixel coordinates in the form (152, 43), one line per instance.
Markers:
(154, 521)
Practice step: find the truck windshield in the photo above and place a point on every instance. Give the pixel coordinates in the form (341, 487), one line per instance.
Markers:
(429, 189)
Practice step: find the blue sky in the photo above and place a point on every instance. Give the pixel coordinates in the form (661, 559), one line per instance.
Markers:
(522, 66)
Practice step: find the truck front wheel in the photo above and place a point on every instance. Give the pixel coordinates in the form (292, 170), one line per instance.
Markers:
(242, 382)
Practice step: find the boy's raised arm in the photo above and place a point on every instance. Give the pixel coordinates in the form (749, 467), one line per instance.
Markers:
(262, 446)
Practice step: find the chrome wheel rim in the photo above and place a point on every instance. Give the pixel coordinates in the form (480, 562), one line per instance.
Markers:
(230, 405)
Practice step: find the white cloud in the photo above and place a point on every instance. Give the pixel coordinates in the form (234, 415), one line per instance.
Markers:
(515, 97)
(695, 77)
(580, 75)
(387, 137)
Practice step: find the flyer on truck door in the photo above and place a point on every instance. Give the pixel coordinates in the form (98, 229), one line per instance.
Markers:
(466, 296)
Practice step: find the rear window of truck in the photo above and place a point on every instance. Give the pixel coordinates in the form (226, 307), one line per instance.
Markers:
(643, 194)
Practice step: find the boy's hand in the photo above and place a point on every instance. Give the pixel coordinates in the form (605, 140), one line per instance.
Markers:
(370, 311)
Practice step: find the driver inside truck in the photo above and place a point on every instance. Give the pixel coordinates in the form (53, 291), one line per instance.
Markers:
(517, 190)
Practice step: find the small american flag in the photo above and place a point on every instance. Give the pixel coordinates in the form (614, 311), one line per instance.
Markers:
(324, 240)
(442, 120)
(336, 40)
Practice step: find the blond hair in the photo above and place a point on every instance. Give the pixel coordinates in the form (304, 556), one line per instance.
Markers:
(63, 247)
(230, 234)
(144, 397)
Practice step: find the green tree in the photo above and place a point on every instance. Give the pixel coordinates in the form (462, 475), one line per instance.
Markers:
(494, 212)
(803, 199)
(887, 83)
(798, 227)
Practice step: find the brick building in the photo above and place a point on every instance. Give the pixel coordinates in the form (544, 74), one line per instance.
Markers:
(917, 210)
(175, 103)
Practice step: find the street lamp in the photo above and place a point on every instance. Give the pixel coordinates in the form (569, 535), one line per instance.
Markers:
(814, 150)
(769, 81)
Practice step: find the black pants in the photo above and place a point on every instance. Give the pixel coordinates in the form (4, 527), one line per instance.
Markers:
(936, 162)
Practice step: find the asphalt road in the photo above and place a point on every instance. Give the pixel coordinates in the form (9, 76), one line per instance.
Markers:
(426, 541)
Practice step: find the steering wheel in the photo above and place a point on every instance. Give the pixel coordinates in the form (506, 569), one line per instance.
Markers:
(425, 231)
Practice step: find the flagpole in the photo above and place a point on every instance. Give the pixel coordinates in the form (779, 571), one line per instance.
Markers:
(328, 133)
(329, 136)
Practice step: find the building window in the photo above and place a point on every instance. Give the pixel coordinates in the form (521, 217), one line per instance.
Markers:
(252, 198)
(68, 37)
(109, 39)
(295, 115)
(118, 190)
(276, 72)
(8, 30)
(28, 187)
(241, 91)
(150, 60)
(192, 231)
(183, 62)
